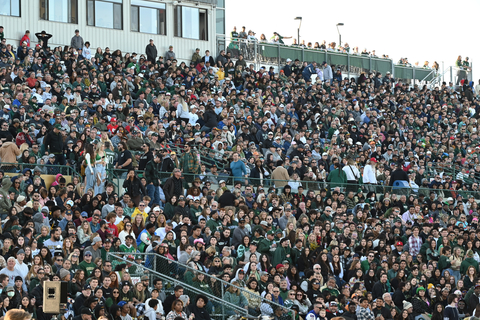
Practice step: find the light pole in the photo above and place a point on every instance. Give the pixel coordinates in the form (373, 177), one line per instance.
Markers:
(340, 24)
(298, 30)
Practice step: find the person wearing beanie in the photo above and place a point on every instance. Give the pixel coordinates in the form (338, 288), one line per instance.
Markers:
(19, 292)
(64, 275)
(20, 265)
(96, 248)
(407, 306)
(422, 306)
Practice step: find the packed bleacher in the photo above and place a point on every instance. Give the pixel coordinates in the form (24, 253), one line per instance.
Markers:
(291, 194)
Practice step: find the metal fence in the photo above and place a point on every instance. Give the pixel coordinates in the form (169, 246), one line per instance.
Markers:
(48, 169)
(174, 273)
(316, 186)
(277, 54)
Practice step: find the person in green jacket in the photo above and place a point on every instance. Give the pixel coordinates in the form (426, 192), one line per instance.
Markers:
(469, 261)
(282, 252)
(338, 177)
(266, 245)
(234, 296)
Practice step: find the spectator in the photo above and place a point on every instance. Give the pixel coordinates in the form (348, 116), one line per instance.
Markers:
(77, 40)
(43, 37)
(151, 52)
(26, 38)
(170, 55)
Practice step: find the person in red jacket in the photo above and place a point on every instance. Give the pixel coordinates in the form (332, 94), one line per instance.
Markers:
(26, 38)
(23, 137)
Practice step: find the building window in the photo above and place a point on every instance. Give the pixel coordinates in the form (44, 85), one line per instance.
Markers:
(220, 21)
(191, 23)
(10, 8)
(59, 10)
(148, 17)
(105, 14)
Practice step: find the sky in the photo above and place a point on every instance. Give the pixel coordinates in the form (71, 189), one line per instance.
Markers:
(419, 30)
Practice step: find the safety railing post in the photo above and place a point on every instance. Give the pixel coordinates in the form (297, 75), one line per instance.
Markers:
(223, 306)
(255, 48)
(278, 56)
(348, 65)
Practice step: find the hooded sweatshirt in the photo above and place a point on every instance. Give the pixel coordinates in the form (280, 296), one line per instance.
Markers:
(5, 203)
(150, 314)
(451, 313)
(39, 220)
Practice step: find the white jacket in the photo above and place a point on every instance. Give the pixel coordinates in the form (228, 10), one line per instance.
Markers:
(352, 172)
(369, 174)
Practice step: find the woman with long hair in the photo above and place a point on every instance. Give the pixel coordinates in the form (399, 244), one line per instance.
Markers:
(470, 278)
(114, 277)
(252, 295)
(234, 296)
(78, 281)
(27, 305)
(128, 230)
(84, 232)
(422, 305)
(437, 313)
(100, 169)
(87, 164)
(134, 187)
(302, 301)
(138, 225)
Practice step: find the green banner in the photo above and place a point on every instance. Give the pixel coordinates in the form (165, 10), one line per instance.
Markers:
(268, 51)
(359, 62)
(290, 53)
(382, 65)
(403, 72)
(426, 74)
(334, 58)
(338, 59)
(314, 55)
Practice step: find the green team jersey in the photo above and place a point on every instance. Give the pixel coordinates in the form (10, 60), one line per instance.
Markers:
(124, 248)
(110, 158)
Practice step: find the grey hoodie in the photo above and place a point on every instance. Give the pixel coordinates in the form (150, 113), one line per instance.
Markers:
(39, 222)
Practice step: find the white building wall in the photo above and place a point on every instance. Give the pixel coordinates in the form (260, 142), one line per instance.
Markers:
(125, 40)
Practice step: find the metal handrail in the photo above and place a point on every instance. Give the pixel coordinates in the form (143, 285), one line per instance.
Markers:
(20, 166)
(271, 182)
(428, 75)
(209, 276)
(223, 303)
(221, 281)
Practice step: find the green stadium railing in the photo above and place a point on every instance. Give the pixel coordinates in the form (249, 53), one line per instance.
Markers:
(316, 186)
(276, 54)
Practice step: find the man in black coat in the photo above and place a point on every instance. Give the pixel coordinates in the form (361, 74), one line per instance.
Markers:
(398, 174)
(226, 199)
(380, 287)
(86, 293)
(54, 144)
(173, 186)
(151, 52)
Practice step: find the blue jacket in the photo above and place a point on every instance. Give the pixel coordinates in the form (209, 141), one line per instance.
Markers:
(308, 71)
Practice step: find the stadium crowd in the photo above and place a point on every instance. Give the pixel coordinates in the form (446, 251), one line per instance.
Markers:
(283, 186)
